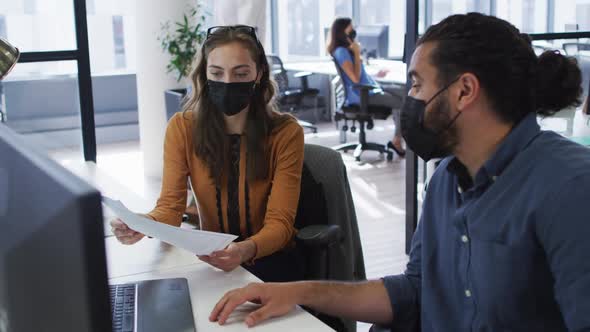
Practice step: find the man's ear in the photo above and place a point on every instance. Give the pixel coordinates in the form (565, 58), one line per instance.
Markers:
(467, 90)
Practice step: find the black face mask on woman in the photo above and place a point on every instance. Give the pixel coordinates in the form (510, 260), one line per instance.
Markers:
(230, 98)
(352, 34)
(424, 142)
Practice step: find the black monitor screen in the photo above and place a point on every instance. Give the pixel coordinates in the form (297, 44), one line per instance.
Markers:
(53, 274)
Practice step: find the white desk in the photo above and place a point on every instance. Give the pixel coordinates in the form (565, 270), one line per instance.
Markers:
(152, 259)
(383, 71)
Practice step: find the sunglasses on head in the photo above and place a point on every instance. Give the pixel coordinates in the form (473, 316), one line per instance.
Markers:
(240, 28)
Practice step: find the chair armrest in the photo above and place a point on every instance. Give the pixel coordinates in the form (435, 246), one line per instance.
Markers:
(291, 92)
(319, 235)
(302, 74)
(364, 86)
(379, 328)
(364, 90)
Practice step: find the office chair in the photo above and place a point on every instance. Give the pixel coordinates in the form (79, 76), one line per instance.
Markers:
(327, 227)
(363, 114)
(290, 99)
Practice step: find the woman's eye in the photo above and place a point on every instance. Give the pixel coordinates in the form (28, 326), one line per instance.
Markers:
(216, 74)
(242, 75)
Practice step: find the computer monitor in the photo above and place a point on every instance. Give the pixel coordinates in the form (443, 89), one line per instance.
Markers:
(374, 40)
(53, 274)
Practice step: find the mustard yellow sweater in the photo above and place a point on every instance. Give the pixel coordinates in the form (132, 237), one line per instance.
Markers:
(273, 201)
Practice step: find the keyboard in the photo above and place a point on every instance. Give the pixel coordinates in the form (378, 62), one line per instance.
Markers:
(123, 307)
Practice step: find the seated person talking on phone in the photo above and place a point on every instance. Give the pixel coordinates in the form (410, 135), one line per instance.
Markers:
(347, 52)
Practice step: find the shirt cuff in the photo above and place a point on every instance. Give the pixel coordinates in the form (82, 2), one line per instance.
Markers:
(404, 302)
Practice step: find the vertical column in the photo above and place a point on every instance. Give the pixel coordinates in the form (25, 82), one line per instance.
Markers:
(152, 79)
(411, 158)
(85, 82)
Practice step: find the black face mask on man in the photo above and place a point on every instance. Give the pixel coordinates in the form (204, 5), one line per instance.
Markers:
(424, 142)
(230, 98)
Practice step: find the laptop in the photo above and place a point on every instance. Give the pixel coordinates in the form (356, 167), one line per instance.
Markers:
(152, 305)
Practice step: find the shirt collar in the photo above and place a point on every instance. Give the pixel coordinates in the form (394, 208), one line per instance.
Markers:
(518, 138)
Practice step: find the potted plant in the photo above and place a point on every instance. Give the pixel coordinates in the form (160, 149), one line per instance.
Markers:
(182, 40)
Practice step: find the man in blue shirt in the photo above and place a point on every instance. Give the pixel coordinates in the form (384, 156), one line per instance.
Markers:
(503, 240)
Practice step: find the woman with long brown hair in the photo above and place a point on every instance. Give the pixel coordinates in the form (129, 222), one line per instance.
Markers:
(243, 158)
(347, 53)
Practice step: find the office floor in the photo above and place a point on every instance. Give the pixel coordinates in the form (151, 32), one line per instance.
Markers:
(377, 187)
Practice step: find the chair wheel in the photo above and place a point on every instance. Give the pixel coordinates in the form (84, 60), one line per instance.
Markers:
(370, 125)
(389, 156)
(344, 128)
(357, 158)
(353, 129)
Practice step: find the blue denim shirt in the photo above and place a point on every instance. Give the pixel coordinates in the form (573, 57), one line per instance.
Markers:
(508, 251)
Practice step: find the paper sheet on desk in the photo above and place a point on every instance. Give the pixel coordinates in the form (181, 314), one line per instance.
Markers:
(195, 241)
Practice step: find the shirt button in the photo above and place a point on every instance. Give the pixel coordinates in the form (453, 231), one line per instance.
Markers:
(467, 293)
(494, 178)
(459, 190)
(464, 238)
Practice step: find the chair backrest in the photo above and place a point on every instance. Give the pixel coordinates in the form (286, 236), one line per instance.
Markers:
(312, 201)
(345, 259)
(341, 74)
(338, 95)
(277, 70)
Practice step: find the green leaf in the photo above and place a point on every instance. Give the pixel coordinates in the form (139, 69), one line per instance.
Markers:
(181, 40)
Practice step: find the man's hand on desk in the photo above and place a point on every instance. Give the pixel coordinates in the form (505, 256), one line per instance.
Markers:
(277, 299)
(232, 256)
(123, 233)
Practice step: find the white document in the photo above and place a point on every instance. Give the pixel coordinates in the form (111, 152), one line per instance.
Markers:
(195, 241)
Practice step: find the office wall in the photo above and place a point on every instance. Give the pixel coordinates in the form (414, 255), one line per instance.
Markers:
(152, 78)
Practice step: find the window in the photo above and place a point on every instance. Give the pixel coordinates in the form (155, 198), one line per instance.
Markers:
(435, 11)
(3, 27)
(304, 31)
(568, 13)
(343, 8)
(528, 16)
(112, 42)
(90, 7)
(392, 15)
(303, 26)
(33, 26)
(375, 12)
(119, 41)
(30, 6)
